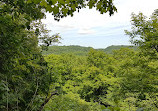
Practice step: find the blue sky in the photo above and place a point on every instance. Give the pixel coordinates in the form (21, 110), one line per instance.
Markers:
(92, 29)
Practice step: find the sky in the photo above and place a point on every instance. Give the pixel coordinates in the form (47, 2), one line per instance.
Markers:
(91, 29)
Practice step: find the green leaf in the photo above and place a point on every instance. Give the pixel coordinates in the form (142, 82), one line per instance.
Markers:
(49, 8)
(61, 1)
(29, 1)
(56, 10)
(43, 3)
(90, 5)
(36, 1)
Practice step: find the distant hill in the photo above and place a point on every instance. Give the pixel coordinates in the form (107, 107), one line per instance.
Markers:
(117, 47)
(80, 50)
(73, 49)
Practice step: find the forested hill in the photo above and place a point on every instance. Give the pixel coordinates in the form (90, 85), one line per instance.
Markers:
(117, 47)
(80, 50)
(74, 49)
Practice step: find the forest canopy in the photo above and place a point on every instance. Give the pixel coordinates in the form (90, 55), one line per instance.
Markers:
(29, 81)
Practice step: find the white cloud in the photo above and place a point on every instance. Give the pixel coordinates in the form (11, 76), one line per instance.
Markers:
(84, 31)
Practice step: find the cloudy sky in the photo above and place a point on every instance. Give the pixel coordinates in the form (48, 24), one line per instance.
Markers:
(90, 28)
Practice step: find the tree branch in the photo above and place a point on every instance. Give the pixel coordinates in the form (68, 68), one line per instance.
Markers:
(47, 100)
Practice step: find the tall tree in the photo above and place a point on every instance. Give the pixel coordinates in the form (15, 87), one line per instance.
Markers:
(144, 32)
(140, 77)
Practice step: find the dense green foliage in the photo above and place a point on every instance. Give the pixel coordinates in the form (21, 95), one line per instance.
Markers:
(81, 51)
(76, 50)
(110, 49)
(70, 102)
(125, 80)
(144, 32)
(23, 71)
